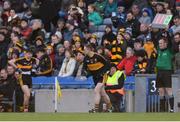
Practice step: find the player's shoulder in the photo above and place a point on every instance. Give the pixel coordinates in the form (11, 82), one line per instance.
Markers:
(20, 59)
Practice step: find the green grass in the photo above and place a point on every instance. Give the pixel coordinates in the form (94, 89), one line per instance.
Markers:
(89, 117)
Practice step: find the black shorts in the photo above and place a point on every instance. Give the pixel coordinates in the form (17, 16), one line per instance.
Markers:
(26, 80)
(163, 79)
(98, 79)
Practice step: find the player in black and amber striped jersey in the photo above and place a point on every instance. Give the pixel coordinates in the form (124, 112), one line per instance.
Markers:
(45, 65)
(25, 66)
(97, 66)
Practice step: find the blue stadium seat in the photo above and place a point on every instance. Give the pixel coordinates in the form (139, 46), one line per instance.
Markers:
(107, 21)
(129, 83)
(65, 82)
(101, 28)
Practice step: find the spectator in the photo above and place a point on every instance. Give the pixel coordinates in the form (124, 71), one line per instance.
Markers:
(50, 52)
(141, 66)
(100, 6)
(76, 14)
(94, 18)
(145, 18)
(27, 14)
(93, 41)
(60, 26)
(39, 43)
(10, 70)
(167, 8)
(119, 18)
(176, 42)
(151, 51)
(136, 11)
(118, 49)
(138, 45)
(68, 65)
(79, 72)
(69, 30)
(13, 19)
(77, 44)
(177, 10)
(67, 45)
(133, 23)
(128, 62)
(111, 7)
(36, 31)
(6, 12)
(159, 8)
(144, 32)
(56, 39)
(141, 3)
(177, 62)
(59, 57)
(176, 27)
(108, 36)
(25, 29)
(128, 39)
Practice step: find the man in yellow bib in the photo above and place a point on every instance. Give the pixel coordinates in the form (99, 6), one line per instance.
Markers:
(114, 82)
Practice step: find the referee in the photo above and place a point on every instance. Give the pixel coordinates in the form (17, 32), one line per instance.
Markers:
(164, 72)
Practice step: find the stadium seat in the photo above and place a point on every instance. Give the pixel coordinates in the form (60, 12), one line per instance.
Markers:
(129, 83)
(101, 28)
(65, 82)
(99, 36)
(107, 21)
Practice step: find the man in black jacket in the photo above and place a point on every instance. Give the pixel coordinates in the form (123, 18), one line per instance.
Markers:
(45, 64)
(133, 24)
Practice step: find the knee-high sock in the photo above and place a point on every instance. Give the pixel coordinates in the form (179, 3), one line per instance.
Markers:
(171, 102)
(162, 103)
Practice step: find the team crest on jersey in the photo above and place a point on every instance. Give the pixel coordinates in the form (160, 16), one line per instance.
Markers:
(95, 59)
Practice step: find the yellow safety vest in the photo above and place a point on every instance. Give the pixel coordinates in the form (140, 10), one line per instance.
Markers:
(113, 80)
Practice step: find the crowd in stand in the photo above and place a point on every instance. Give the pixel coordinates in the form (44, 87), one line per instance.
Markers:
(57, 30)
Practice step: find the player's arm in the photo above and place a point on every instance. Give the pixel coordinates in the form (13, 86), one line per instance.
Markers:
(48, 69)
(12, 62)
(105, 62)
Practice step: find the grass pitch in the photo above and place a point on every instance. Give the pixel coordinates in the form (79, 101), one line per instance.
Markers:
(90, 116)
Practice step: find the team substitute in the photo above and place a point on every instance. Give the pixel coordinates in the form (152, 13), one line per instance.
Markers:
(24, 66)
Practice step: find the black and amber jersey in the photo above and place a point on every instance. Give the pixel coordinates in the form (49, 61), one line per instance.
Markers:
(45, 66)
(96, 65)
(25, 65)
(138, 66)
(118, 51)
